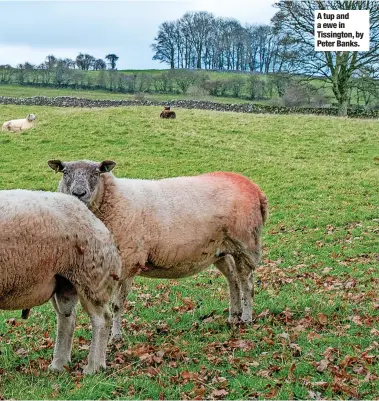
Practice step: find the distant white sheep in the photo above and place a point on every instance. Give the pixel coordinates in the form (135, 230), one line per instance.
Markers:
(175, 227)
(53, 247)
(20, 124)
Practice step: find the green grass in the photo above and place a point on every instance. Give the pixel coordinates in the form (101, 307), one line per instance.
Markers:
(316, 293)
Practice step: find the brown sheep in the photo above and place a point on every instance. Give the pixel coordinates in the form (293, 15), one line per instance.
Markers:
(166, 113)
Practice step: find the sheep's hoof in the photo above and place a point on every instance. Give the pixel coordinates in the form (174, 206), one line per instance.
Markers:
(90, 369)
(54, 367)
(115, 338)
(246, 320)
(234, 320)
(238, 321)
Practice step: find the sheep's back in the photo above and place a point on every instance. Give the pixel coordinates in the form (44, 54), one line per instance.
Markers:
(178, 217)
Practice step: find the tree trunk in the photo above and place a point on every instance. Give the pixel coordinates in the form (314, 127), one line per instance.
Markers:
(342, 108)
(172, 59)
(198, 64)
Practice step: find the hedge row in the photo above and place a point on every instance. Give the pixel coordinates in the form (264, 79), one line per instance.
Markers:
(68, 101)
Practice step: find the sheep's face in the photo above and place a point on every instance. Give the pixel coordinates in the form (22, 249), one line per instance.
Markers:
(81, 178)
(31, 117)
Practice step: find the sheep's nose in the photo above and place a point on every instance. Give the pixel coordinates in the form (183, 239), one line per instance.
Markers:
(79, 193)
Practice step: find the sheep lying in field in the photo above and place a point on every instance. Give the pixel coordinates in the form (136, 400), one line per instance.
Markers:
(20, 124)
(166, 113)
(53, 247)
(175, 227)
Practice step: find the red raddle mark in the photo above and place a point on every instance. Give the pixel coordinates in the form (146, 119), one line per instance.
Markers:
(243, 183)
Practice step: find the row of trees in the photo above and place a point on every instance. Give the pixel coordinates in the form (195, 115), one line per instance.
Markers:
(54, 72)
(199, 40)
(82, 62)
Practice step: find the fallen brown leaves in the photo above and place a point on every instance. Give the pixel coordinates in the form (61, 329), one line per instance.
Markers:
(284, 341)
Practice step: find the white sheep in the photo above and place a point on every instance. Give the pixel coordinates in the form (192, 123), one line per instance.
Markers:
(53, 247)
(20, 124)
(175, 227)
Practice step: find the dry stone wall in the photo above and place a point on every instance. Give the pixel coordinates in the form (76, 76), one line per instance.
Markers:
(68, 101)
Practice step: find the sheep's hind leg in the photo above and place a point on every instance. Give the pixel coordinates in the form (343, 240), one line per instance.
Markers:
(227, 267)
(246, 279)
(245, 269)
(64, 305)
(101, 323)
(121, 293)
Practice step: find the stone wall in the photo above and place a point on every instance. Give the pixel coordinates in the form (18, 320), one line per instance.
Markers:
(68, 101)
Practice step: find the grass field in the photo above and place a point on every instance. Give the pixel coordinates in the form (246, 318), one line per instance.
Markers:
(316, 309)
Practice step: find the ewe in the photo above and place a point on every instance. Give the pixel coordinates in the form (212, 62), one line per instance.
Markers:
(175, 227)
(53, 247)
(20, 124)
(166, 113)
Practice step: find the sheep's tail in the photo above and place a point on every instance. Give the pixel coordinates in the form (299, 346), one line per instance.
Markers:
(244, 254)
(264, 206)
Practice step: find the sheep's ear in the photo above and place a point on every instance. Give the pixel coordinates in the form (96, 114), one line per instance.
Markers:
(106, 166)
(56, 165)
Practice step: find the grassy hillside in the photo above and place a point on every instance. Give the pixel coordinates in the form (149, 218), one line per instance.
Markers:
(211, 74)
(316, 294)
(231, 87)
(28, 91)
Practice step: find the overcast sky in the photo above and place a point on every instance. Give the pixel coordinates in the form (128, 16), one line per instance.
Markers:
(30, 30)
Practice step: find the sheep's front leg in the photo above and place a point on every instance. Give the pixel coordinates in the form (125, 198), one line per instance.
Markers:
(65, 311)
(101, 323)
(227, 267)
(121, 293)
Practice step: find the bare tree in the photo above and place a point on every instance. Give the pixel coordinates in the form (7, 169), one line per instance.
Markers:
(237, 84)
(112, 58)
(296, 20)
(99, 64)
(51, 61)
(45, 73)
(62, 74)
(6, 73)
(198, 26)
(365, 85)
(166, 44)
(85, 61)
(69, 63)
(184, 79)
